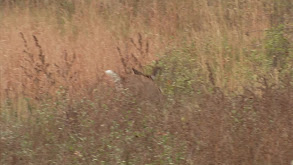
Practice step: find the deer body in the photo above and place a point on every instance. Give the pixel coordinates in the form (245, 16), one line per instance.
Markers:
(139, 86)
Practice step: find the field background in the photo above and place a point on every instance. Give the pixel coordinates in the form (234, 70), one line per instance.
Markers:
(227, 69)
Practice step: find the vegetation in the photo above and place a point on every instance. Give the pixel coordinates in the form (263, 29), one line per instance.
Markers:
(226, 70)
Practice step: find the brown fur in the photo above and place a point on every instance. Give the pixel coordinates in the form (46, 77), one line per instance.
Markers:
(143, 88)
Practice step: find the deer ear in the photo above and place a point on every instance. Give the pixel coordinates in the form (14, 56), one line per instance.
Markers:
(115, 78)
(137, 72)
(156, 70)
(113, 75)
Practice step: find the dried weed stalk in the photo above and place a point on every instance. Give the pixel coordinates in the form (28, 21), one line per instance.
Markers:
(39, 78)
(66, 71)
(134, 58)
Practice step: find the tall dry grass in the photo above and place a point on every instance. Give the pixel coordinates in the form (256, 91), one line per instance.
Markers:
(226, 100)
(220, 31)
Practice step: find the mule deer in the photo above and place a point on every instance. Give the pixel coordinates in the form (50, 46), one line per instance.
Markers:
(139, 85)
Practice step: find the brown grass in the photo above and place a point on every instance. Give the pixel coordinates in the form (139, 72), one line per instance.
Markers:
(93, 31)
(57, 107)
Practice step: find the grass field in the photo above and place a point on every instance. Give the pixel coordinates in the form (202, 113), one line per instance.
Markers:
(226, 76)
